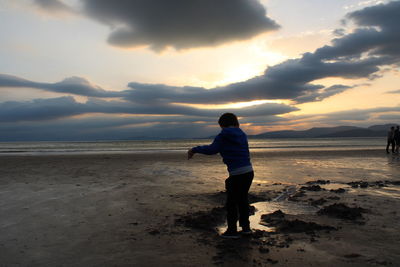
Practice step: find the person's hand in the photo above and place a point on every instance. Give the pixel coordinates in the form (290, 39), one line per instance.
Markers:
(190, 154)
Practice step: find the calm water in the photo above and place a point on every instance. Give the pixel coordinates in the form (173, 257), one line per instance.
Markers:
(34, 148)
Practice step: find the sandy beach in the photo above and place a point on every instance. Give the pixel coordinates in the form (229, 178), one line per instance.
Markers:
(158, 209)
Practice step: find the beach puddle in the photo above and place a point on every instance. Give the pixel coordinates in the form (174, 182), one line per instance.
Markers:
(288, 207)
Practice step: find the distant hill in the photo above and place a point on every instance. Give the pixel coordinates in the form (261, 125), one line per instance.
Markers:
(325, 132)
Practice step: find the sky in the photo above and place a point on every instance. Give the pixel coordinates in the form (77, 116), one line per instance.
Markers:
(127, 69)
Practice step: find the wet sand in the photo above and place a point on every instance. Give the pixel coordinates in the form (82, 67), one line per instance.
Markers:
(155, 209)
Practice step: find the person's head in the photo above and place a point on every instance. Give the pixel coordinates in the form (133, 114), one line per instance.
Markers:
(392, 128)
(228, 120)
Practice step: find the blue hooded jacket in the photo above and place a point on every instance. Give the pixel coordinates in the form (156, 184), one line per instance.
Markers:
(232, 145)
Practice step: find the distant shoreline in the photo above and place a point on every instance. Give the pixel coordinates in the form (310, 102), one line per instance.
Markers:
(346, 152)
(250, 137)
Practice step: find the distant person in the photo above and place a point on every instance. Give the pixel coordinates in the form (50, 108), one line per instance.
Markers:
(232, 145)
(397, 138)
(390, 140)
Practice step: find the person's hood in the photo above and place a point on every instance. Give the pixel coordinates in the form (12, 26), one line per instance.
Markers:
(234, 135)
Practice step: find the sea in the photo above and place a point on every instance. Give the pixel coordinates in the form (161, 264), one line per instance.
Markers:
(148, 146)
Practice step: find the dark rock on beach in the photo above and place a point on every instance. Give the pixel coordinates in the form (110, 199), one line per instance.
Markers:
(203, 220)
(298, 226)
(363, 184)
(271, 261)
(317, 202)
(338, 191)
(340, 210)
(360, 184)
(277, 219)
(273, 219)
(297, 195)
(153, 232)
(352, 255)
(380, 183)
(312, 188)
(318, 182)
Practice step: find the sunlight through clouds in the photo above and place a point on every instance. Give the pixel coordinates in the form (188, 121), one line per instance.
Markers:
(238, 105)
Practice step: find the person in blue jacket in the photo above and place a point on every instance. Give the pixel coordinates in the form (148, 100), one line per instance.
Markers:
(231, 143)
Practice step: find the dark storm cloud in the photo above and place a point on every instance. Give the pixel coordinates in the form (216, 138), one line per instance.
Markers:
(291, 79)
(39, 109)
(382, 15)
(377, 34)
(72, 85)
(51, 119)
(100, 106)
(180, 23)
(111, 127)
(45, 109)
(52, 6)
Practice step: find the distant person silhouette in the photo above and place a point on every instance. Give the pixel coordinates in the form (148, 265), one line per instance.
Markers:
(390, 140)
(397, 138)
(232, 145)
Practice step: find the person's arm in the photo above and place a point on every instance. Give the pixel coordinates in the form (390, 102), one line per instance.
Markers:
(190, 153)
(211, 149)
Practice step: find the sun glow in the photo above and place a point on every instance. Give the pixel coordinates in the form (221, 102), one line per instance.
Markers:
(247, 71)
(237, 105)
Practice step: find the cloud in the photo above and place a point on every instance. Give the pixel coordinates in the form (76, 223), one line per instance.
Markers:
(180, 24)
(377, 34)
(339, 32)
(54, 6)
(71, 85)
(394, 92)
(51, 120)
(291, 80)
(355, 116)
(103, 128)
(360, 54)
(322, 94)
(106, 127)
(395, 118)
(55, 108)
(38, 109)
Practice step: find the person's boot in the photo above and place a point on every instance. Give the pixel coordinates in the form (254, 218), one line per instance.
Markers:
(230, 233)
(246, 230)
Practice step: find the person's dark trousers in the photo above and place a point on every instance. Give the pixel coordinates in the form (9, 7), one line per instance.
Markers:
(237, 188)
(390, 142)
